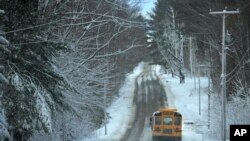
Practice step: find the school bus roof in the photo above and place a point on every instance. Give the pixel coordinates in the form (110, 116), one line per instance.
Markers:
(168, 109)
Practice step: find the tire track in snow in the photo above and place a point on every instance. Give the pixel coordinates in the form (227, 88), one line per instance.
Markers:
(149, 96)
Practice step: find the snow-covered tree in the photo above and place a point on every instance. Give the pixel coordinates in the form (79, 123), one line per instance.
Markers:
(194, 20)
(3, 80)
(59, 57)
(31, 85)
(100, 45)
(164, 28)
(4, 134)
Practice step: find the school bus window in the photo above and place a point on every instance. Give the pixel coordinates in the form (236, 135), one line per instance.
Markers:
(177, 121)
(167, 121)
(158, 120)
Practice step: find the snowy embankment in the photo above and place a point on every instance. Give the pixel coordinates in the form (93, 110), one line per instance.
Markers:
(120, 110)
(185, 97)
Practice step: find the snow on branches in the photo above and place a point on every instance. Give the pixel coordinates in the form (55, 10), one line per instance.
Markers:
(43, 109)
(3, 125)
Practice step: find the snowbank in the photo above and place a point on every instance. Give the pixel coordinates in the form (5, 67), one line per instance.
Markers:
(187, 98)
(120, 110)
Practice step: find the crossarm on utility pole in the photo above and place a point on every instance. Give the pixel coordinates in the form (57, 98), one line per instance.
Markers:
(223, 70)
(224, 12)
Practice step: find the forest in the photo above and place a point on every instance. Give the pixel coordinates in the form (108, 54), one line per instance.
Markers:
(187, 37)
(63, 61)
(186, 23)
(58, 58)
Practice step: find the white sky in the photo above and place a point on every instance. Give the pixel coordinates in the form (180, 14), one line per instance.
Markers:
(147, 6)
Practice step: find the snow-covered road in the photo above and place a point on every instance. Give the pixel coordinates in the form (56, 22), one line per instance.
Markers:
(136, 95)
(149, 96)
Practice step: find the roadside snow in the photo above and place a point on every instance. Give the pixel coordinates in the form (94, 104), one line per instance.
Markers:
(120, 110)
(185, 98)
(182, 96)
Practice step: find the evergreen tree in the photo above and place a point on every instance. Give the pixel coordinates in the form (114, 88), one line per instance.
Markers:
(34, 87)
(165, 34)
(192, 19)
(3, 80)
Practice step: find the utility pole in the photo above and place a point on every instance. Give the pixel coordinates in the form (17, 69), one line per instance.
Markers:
(223, 69)
(191, 56)
(173, 16)
(199, 80)
(181, 54)
(105, 99)
(195, 73)
(105, 114)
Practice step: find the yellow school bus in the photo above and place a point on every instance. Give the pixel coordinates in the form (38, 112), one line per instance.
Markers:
(166, 124)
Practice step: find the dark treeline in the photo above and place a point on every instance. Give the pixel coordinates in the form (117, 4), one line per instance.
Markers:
(181, 20)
